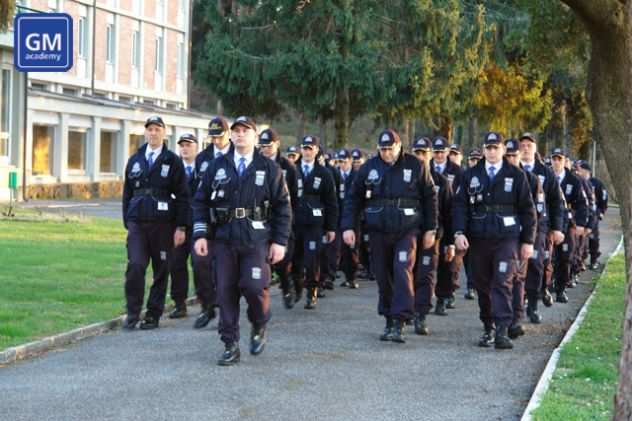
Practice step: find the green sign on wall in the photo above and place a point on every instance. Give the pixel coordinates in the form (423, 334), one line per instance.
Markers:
(13, 180)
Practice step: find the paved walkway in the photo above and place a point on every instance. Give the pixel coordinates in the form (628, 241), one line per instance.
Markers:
(326, 364)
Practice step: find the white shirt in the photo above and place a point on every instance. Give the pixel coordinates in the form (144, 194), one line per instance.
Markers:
(223, 151)
(237, 158)
(310, 167)
(497, 166)
(439, 167)
(156, 152)
(561, 176)
(529, 164)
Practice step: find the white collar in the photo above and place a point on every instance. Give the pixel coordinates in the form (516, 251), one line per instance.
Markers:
(309, 165)
(223, 151)
(530, 164)
(156, 151)
(497, 166)
(248, 157)
(562, 175)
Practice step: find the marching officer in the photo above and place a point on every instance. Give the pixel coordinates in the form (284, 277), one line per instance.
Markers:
(269, 143)
(330, 251)
(244, 200)
(398, 200)
(601, 197)
(494, 216)
(156, 215)
(349, 258)
(449, 269)
(550, 226)
(178, 269)
(575, 220)
(472, 159)
(428, 259)
(316, 216)
(455, 155)
(582, 170)
(204, 266)
(357, 158)
(292, 154)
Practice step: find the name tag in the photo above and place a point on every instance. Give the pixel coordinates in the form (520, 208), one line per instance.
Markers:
(508, 221)
(409, 211)
(317, 212)
(366, 237)
(300, 183)
(425, 261)
(163, 206)
(508, 184)
(164, 171)
(502, 267)
(317, 181)
(260, 177)
(368, 194)
(569, 189)
(258, 225)
(342, 195)
(542, 179)
(403, 256)
(324, 239)
(220, 193)
(299, 192)
(450, 178)
(407, 175)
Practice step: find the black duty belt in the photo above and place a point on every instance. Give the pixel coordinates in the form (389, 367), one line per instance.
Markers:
(400, 203)
(151, 192)
(496, 208)
(256, 213)
(311, 196)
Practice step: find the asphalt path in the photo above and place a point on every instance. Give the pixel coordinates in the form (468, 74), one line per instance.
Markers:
(324, 364)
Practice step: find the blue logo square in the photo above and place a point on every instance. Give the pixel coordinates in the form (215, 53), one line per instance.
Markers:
(43, 42)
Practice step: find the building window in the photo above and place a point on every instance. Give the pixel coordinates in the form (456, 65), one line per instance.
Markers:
(52, 5)
(83, 36)
(137, 7)
(135, 142)
(43, 144)
(181, 12)
(77, 149)
(181, 61)
(159, 54)
(110, 37)
(70, 91)
(108, 152)
(136, 49)
(5, 113)
(160, 10)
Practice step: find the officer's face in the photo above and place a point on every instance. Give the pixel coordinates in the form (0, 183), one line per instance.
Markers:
(557, 162)
(389, 154)
(244, 138)
(422, 155)
(456, 157)
(222, 141)
(527, 150)
(154, 135)
(472, 162)
(513, 159)
(309, 153)
(439, 156)
(357, 163)
(494, 153)
(345, 164)
(292, 157)
(270, 150)
(187, 150)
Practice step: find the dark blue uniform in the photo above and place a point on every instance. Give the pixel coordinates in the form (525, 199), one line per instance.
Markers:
(399, 203)
(155, 201)
(330, 252)
(496, 216)
(601, 198)
(349, 257)
(581, 249)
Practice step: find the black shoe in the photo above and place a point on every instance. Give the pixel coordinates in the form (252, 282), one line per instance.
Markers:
(288, 300)
(502, 341)
(515, 331)
(572, 283)
(561, 297)
(179, 312)
(388, 331)
(130, 322)
(353, 284)
(533, 314)
(230, 356)
(312, 299)
(328, 284)
(487, 340)
(204, 318)
(149, 323)
(440, 307)
(258, 340)
(398, 331)
(547, 298)
(344, 284)
(594, 266)
(449, 303)
(420, 325)
(469, 295)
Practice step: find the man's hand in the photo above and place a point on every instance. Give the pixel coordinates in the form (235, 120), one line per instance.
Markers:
(201, 247)
(526, 251)
(557, 237)
(450, 253)
(331, 236)
(461, 243)
(179, 237)
(579, 230)
(276, 253)
(349, 237)
(429, 239)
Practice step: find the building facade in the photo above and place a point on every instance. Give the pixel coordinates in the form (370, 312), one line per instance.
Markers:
(131, 60)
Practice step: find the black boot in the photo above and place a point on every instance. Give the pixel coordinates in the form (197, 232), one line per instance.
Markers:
(532, 309)
(230, 356)
(440, 307)
(204, 318)
(420, 324)
(179, 312)
(288, 300)
(312, 299)
(561, 297)
(258, 340)
(487, 340)
(388, 330)
(547, 298)
(515, 330)
(449, 303)
(398, 331)
(502, 340)
(469, 295)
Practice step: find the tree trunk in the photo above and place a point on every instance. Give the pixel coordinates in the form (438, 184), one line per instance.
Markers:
(342, 120)
(300, 129)
(609, 23)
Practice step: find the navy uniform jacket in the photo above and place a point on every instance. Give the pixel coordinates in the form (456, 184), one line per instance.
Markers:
(202, 161)
(290, 176)
(539, 199)
(343, 188)
(222, 189)
(592, 204)
(498, 209)
(444, 206)
(316, 198)
(159, 194)
(576, 201)
(393, 198)
(553, 196)
(452, 172)
(601, 195)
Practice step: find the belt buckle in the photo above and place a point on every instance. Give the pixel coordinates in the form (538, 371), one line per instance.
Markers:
(240, 213)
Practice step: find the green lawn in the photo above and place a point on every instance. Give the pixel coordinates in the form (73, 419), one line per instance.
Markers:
(57, 274)
(585, 380)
